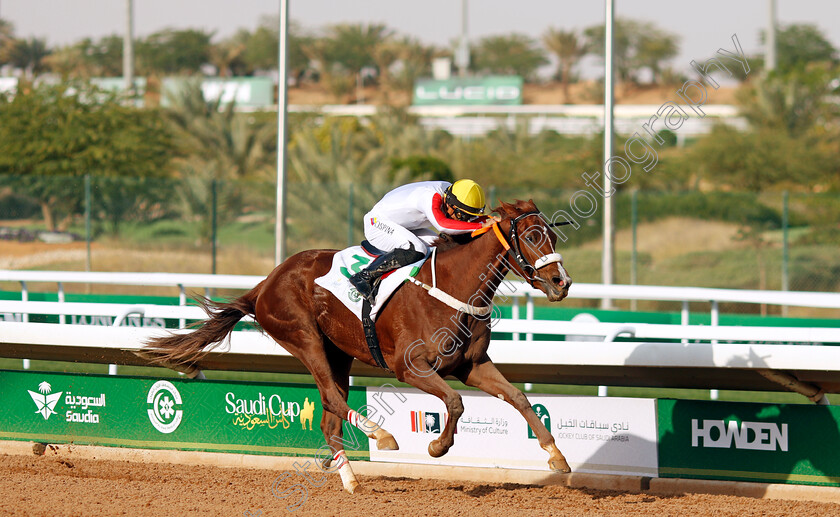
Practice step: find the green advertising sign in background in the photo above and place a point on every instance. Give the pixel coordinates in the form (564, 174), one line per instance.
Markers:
(246, 92)
(253, 418)
(775, 443)
(505, 90)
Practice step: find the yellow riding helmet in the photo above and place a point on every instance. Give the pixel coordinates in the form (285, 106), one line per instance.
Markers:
(467, 196)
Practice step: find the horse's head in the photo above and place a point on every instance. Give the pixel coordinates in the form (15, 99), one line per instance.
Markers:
(532, 242)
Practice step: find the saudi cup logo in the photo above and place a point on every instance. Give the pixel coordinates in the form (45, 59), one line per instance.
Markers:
(163, 413)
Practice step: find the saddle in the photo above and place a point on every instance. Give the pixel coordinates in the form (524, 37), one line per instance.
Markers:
(352, 260)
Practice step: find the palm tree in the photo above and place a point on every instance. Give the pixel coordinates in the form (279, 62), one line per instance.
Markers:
(332, 75)
(225, 55)
(796, 102)
(385, 54)
(341, 159)
(7, 30)
(352, 47)
(414, 60)
(515, 54)
(28, 54)
(69, 61)
(217, 144)
(653, 48)
(7, 37)
(569, 49)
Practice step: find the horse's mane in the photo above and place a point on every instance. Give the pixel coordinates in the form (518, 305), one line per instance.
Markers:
(446, 242)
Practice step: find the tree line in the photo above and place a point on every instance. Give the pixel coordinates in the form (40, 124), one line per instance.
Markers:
(147, 163)
(340, 55)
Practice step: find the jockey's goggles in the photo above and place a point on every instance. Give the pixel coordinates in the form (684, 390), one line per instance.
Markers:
(461, 215)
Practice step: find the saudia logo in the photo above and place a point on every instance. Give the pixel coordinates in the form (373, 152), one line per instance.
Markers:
(164, 396)
(757, 436)
(44, 401)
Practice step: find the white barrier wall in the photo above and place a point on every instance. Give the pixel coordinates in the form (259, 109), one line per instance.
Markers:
(603, 435)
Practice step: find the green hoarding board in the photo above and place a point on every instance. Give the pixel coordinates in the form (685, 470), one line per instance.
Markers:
(252, 418)
(246, 92)
(769, 443)
(492, 90)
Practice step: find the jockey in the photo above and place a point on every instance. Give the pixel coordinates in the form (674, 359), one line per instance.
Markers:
(401, 224)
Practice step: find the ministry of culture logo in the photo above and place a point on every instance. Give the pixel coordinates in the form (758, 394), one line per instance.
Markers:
(44, 401)
(542, 414)
(354, 295)
(164, 396)
(422, 422)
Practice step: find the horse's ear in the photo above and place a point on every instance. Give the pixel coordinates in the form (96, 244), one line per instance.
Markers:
(505, 208)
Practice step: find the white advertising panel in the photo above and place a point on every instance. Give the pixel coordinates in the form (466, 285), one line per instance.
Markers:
(597, 435)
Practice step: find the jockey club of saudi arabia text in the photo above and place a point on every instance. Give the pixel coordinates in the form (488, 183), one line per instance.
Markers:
(671, 115)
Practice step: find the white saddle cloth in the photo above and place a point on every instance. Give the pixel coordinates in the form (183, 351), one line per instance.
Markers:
(349, 261)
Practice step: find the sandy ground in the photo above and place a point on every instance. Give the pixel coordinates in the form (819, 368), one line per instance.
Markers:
(57, 486)
(26, 255)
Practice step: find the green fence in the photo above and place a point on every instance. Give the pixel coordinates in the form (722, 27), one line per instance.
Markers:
(218, 416)
(770, 443)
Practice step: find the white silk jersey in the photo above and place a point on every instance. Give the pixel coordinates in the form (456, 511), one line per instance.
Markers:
(418, 206)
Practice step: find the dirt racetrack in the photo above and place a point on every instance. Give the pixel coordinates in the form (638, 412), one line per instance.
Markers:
(57, 486)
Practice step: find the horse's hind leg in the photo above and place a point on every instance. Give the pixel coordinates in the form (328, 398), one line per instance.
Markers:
(311, 349)
(331, 425)
(485, 376)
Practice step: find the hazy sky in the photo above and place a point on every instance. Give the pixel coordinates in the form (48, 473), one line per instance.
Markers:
(703, 25)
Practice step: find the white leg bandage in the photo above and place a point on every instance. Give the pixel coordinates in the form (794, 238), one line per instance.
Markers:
(348, 479)
(362, 423)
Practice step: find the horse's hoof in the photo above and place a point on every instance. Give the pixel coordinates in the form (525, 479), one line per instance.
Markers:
(559, 465)
(352, 486)
(436, 450)
(387, 443)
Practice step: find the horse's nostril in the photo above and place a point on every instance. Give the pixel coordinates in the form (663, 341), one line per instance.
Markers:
(557, 280)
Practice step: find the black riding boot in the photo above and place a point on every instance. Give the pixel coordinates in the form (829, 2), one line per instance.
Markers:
(366, 281)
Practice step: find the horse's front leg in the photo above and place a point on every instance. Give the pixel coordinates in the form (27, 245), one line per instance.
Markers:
(435, 385)
(485, 376)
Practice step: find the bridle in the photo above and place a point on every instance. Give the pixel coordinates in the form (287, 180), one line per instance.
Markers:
(513, 246)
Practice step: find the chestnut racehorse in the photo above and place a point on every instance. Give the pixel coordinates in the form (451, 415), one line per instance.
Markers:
(320, 331)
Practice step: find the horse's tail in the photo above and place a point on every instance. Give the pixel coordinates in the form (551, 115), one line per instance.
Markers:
(180, 351)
